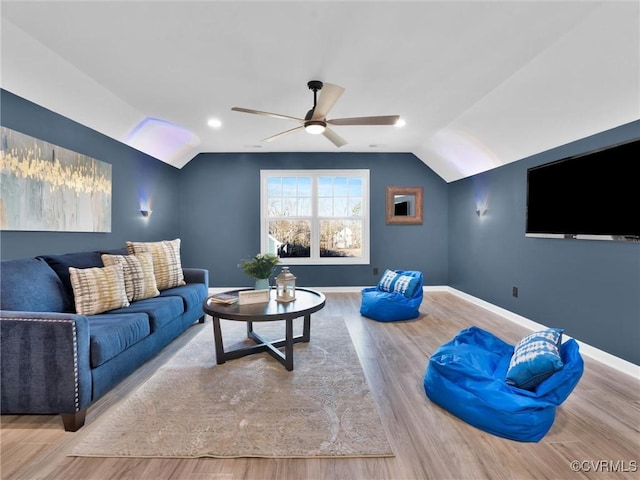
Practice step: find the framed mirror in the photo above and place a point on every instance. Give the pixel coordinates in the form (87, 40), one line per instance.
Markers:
(404, 205)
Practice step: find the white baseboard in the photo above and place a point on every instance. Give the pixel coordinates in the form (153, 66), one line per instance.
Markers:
(592, 352)
(595, 353)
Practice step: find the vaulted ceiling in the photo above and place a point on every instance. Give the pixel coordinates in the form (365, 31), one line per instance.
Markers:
(478, 83)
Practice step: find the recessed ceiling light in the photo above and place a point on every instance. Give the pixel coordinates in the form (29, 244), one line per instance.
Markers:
(401, 122)
(214, 123)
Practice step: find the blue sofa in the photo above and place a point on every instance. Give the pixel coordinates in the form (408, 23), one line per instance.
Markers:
(55, 361)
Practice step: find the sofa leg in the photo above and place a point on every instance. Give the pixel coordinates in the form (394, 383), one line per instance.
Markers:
(73, 421)
(201, 319)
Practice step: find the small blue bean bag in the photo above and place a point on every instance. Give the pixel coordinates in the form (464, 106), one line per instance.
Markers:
(397, 296)
(475, 377)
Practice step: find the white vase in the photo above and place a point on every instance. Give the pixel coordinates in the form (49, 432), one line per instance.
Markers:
(262, 284)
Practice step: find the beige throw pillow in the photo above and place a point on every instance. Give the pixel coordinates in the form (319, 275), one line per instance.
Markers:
(98, 290)
(167, 267)
(139, 280)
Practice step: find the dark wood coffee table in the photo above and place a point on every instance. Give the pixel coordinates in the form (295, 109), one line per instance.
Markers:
(306, 302)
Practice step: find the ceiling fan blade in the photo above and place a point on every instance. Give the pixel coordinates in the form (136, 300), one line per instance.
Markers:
(329, 95)
(336, 139)
(381, 120)
(267, 114)
(281, 134)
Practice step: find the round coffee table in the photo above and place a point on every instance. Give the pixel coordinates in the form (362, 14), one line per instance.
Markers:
(307, 302)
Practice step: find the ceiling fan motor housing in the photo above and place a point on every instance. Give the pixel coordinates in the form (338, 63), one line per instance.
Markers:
(315, 127)
(314, 85)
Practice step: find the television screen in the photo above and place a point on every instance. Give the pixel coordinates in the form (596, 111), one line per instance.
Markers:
(595, 194)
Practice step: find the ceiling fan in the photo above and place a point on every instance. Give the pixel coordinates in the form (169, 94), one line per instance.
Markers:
(315, 121)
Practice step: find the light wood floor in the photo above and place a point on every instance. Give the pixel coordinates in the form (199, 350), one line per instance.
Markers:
(598, 423)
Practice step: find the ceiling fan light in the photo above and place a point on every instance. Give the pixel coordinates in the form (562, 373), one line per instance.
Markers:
(314, 127)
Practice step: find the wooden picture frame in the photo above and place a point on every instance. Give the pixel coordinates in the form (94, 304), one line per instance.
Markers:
(404, 205)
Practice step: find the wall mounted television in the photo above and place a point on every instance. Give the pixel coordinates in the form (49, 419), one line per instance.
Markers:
(594, 196)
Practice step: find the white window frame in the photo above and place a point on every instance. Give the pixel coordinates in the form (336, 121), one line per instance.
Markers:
(315, 259)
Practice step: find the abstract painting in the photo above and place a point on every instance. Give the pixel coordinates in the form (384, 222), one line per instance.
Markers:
(44, 187)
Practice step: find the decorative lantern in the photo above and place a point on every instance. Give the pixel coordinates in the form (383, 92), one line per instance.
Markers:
(285, 286)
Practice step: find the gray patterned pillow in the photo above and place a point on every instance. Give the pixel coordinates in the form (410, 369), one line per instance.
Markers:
(139, 280)
(167, 267)
(98, 290)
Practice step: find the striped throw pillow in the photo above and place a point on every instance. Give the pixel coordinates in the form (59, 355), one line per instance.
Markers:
(139, 280)
(98, 290)
(167, 267)
(394, 282)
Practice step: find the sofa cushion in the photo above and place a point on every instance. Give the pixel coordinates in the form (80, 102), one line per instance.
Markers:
(161, 310)
(29, 284)
(167, 266)
(98, 290)
(111, 334)
(61, 263)
(535, 358)
(139, 281)
(192, 294)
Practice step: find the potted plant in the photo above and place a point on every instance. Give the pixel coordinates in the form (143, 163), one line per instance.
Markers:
(260, 267)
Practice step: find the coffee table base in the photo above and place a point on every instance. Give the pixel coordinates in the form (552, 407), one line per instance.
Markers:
(263, 345)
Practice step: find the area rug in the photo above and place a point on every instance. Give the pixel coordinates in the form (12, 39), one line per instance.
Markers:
(248, 407)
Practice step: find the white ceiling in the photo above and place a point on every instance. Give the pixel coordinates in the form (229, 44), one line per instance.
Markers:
(479, 83)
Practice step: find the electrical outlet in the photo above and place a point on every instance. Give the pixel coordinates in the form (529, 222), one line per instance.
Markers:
(375, 270)
(514, 292)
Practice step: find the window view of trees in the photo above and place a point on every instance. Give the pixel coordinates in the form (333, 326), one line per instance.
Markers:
(315, 216)
(290, 238)
(340, 238)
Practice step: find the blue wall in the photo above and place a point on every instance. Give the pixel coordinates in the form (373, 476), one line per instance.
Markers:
(590, 288)
(134, 174)
(220, 216)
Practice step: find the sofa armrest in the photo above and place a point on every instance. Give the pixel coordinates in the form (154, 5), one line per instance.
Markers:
(196, 275)
(45, 365)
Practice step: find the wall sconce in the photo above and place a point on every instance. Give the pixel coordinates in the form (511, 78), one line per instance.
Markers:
(146, 213)
(482, 206)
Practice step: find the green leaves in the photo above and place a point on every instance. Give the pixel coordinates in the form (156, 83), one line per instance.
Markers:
(260, 266)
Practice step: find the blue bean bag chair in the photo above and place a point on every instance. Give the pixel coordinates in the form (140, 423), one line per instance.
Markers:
(506, 391)
(397, 296)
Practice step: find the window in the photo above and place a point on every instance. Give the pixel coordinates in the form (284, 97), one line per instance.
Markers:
(315, 217)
